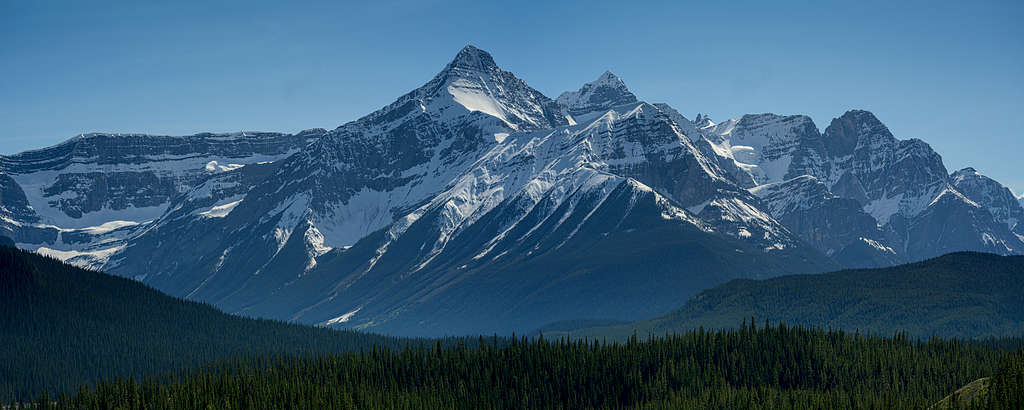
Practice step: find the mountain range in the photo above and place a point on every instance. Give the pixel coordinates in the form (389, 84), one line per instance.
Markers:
(476, 204)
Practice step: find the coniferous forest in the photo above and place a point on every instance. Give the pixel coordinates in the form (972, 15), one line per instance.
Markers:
(771, 366)
(1006, 390)
(62, 326)
(78, 339)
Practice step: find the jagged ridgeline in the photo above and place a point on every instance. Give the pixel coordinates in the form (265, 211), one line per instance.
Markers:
(476, 204)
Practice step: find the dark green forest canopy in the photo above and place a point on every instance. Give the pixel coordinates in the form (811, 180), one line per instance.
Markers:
(959, 295)
(62, 325)
(1006, 390)
(96, 341)
(762, 367)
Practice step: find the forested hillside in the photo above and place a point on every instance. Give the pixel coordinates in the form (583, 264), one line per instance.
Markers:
(62, 325)
(753, 367)
(80, 339)
(959, 295)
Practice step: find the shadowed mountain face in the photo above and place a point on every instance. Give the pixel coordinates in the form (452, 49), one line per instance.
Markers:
(477, 204)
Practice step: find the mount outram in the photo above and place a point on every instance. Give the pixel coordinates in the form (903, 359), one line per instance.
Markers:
(475, 204)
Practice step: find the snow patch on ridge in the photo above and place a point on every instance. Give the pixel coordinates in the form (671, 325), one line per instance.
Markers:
(315, 244)
(883, 209)
(957, 194)
(214, 166)
(878, 245)
(93, 253)
(220, 211)
(35, 184)
(762, 145)
(341, 319)
(89, 259)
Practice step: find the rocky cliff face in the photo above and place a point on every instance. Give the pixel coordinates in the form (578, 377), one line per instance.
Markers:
(832, 224)
(596, 97)
(991, 195)
(474, 187)
(916, 209)
(80, 199)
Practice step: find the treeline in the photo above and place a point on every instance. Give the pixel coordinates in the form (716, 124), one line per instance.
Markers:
(62, 326)
(753, 367)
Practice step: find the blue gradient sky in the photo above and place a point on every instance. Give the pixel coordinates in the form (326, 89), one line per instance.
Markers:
(951, 74)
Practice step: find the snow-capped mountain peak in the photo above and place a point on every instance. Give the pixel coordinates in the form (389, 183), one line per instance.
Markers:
(472, 58)
(476, 201)
(703, 122)
(609, 79)
(596, 97)
(853, 128)
(470, 93)
(993, 196)
(473, 83)
(865, 180)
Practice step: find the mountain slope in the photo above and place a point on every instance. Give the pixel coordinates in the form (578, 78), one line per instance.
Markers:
(964, 295)
(994, 197)
(445, 199)
(838, 226)
(596, 97)
(359, 178)
(880, 200)
(476, 184)
(612, 260)
(80, 200)
(63, 326)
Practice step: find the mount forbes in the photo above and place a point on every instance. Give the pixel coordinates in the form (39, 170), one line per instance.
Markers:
(476, 204)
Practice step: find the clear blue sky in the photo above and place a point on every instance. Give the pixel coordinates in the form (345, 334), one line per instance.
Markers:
(949, 73)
